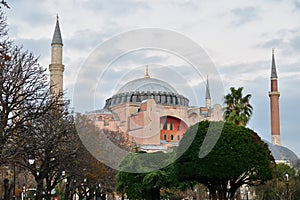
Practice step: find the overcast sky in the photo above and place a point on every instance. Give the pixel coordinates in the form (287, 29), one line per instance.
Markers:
(237, 37)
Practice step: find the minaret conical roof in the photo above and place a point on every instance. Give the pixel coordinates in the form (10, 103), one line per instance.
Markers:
(273, 70)
(57, 35)
(207, 94)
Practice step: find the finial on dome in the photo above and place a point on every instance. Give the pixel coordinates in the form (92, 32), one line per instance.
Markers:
(147, 74)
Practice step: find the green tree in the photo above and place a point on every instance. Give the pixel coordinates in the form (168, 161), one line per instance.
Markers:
(239, 157)
(237, 107)
(143, 185)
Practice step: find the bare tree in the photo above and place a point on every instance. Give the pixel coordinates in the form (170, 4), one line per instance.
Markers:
(87, 176)
(24, 90)
(4, 3)
(51, 142)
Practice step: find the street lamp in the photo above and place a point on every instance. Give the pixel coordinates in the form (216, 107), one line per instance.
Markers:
(286, 175)
(31, 161)
(63, 174)
(208, 194)
(228, 189)
(246, 191)
(14, 186)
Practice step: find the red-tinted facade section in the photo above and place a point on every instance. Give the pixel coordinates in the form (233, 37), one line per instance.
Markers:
(172, 129)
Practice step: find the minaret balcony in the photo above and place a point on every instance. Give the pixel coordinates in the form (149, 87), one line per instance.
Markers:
(274, 93)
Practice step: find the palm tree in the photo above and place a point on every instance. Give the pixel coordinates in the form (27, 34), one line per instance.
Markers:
(237, 108)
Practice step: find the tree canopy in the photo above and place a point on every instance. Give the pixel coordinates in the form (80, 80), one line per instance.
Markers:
(237, 108)
(239, 157)
(143, 185)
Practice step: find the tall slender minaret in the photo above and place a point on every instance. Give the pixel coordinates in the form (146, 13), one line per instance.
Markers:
(207, 94)
(274, 104)
(56, 67)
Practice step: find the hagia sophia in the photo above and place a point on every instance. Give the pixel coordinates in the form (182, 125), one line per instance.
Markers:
(156, 116)
(153, 113)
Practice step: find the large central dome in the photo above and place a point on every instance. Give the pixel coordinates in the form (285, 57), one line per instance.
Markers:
(147, 85)
(141, 89)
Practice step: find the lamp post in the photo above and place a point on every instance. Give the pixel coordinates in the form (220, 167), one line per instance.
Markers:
(31, 161)
(228, 189)
(208, 195)
(247, 191)
(286, 174)
(14, 186)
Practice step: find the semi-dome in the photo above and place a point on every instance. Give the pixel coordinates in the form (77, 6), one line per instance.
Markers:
(141, 89)
(282, 153)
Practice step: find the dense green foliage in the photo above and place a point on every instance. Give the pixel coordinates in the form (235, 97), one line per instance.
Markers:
(238, 157)
(237, 107)
(145, 185)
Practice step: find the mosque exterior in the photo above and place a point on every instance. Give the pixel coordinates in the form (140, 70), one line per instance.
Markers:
(156, 116)
(152, 113)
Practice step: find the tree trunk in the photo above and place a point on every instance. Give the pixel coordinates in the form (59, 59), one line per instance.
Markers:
(48, 189)
(213, 195)
(39, 188)
(6, 189)
(48, 195)
(67, 191)
(232, 192)
(155, 193)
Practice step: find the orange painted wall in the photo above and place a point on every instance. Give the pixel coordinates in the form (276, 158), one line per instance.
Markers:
(179, 128)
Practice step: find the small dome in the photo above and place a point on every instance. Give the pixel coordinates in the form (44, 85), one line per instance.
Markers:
(283, 153)
(147, 85)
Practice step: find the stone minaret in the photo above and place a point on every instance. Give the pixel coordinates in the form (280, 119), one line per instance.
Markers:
(56, 67)
(274, 104)
(207, 94)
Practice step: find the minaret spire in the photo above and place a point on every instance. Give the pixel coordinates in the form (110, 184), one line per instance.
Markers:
(56, 67)
(57, 39)
(274, 104)
(147, 73)
(273, 69)
(207, 94)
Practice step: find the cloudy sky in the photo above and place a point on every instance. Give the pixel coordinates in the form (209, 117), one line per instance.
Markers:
(236, 38)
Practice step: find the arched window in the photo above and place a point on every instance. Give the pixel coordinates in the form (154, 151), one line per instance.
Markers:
(171, 126)
(165, 137)
(165, 126)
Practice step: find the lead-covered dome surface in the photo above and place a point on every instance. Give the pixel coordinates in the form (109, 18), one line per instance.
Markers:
(141, 89)
(147, 85)
(283, 153)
